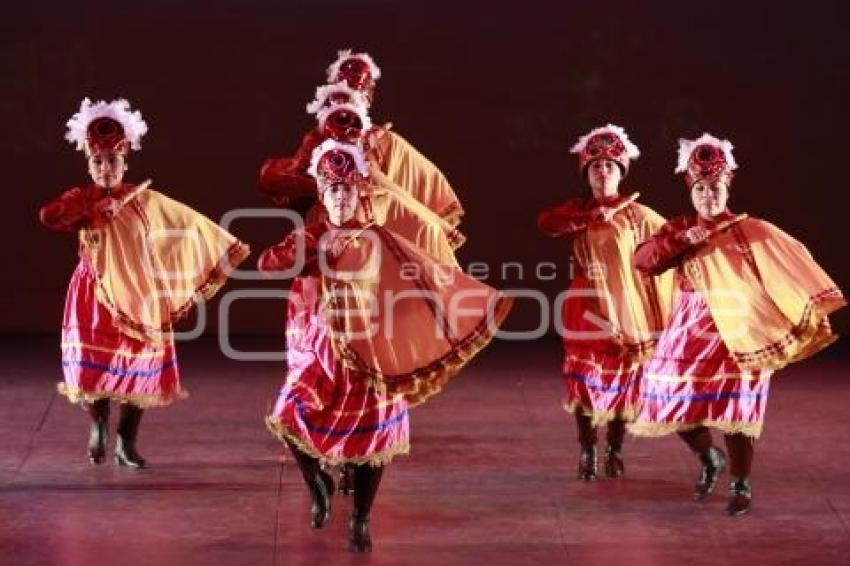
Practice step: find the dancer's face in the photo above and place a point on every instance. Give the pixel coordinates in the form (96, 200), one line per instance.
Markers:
(107, 169)
(340, 200)
(603, 175)
(709, 198)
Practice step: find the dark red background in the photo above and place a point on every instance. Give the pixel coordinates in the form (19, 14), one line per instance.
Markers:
(493, 94)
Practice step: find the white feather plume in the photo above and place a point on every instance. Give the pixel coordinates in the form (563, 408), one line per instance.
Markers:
(632, 150)
(119, 110)
(331, 145)
(346, 54)
(686, 148)
(325, 91)
(361, 112)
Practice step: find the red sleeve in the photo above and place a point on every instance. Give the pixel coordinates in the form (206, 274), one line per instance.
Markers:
(284, 255)
(68, 213)
(664, 249)
(563, 219)
(286, 178)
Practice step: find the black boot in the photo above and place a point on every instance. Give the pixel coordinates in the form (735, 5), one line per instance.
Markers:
(614, 465)
(366, 482)
(128, 431)
(346, 479)
(319, 483)
(587, 469)
(99, 413)
(740, 495)
(713, 463)
(587, 437)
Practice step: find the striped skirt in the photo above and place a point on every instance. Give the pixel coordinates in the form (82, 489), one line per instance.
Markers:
(322, 408)
(692, 380)
(99, 362)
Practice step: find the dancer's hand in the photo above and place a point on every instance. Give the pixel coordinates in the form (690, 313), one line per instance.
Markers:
(105, 209)
(694, 235)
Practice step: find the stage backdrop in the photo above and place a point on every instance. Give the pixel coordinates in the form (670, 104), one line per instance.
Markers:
(493, 93)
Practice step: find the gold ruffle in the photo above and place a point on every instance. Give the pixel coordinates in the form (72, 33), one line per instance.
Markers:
(377, 459)
(753, 430)
(235, 255)
(422, 383)
(598, 417)
(145, 401)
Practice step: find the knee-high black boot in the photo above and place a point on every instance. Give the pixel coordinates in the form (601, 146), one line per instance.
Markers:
(614, 464)
(319, 483)
(99, 430)
(587, 469)
(128, 431)
(741, 449)
(711, 458)
(366, 481)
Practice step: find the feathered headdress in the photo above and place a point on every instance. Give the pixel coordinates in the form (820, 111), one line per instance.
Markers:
(336, 161)
(607, 142)
(705, 158)
(326, 95)
(346, 55)
(106, 125)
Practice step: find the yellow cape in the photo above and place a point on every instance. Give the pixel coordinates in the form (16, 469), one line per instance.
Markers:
(406, 322)
(406, 168)
(155, 259)
(632, 306)
(768, 297)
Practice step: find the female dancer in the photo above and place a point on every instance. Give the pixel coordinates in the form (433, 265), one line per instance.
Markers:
(358, 358)
(145, 259)
(611, 311)
(751, 300)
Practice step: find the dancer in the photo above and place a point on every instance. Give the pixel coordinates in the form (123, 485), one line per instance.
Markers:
(751, 300)
(351, 84)
(145, 259)
(611, 311)
(354, 370)
(341, 110)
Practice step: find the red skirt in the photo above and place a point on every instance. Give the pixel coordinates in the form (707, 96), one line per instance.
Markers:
(599, 378)
(322, 408)
(99, 362)
(599, 384)
(692, 380)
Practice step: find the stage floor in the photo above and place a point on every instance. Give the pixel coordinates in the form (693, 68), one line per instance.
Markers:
(490, 478)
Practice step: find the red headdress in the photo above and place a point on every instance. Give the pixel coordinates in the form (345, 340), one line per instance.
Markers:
(106, 127)
(357, 69)
(335, 162)
(706, 158)
(609, 142)
(344, 122)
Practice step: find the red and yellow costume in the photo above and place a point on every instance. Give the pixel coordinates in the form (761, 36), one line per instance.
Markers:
(133, 281)
(333, 406)
(612, 310)
(322, 408)
(750, 301)
(348, 388)
(141, 267)
(145, 260)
